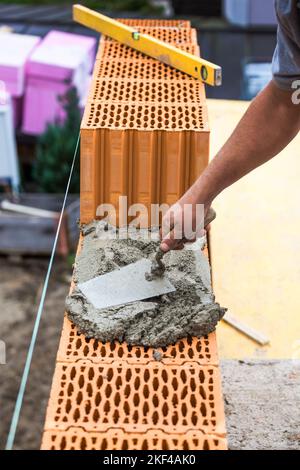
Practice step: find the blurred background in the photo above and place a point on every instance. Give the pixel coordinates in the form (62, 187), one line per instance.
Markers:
(43, 88)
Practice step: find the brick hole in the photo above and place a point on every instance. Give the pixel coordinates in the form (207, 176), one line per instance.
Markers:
(120, 352)
(117, 399)
(175, 418)
(97, 399)
(108, 390)
(79, 398)
(175, 400)
(146, 408)
(146, 392)
(193, 385)
(68, 406)
(81, 381)
(106, 407)
(155, 417)
(70, 389)
(193, 400)
(165, 410)
(72, 375)
(88, 407)
(155, 383)
(203, 409)
(126, 408)
(184, 392)
(125, 445)
(89, 390)
(63, 443)
(136, 399)
(76, 415)
(185, 445)
(104, 444)
(155, 400)
(175, 383)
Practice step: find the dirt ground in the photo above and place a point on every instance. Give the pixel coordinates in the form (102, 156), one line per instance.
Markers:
(262, 404)
(262, 398)
(20, 289)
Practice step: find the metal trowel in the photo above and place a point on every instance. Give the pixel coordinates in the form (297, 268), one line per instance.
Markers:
(137, 281)
(125, 285)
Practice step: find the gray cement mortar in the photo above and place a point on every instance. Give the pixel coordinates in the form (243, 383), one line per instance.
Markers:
(189, 311)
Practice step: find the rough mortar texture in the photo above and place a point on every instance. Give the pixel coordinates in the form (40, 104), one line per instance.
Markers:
(262, 404)
(189, 311)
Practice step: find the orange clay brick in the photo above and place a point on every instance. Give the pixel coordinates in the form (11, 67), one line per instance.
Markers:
(146, 69)
(117, 439)
(76, 347)
(141, 91)
(115, 396)
(147, 167)
(90, 377)
(115, 50)
(170, 35)
(136, 398)
(155, 23)
(144, 116)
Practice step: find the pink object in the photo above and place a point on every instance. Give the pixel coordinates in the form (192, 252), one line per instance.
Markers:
(60, 61)
(15, 49)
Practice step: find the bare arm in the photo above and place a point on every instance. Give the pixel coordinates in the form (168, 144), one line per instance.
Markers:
(269, 124)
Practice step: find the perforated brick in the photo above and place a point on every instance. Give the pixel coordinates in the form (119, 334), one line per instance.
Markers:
(147, 69)
(135, 398)
(115, 50)
(116, 439)
(145, 116)
(75, 347)
(154, 23)
(137, 141)
(170, 35)
(146, 166)
(141, 91)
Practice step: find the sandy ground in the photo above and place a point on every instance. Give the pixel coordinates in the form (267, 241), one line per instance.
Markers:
(262, 404)
(262, 399)
(20, 289)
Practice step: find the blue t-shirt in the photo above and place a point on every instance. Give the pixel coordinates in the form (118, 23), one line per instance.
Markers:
(286, 59)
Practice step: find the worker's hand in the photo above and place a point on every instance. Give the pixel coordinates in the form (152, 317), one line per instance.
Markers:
(182, 223)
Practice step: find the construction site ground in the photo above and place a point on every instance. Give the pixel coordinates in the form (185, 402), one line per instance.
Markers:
(261, 397)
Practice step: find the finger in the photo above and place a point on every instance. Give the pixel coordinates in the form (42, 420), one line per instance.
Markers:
(179, 247)
(167, 224)
(169, 242)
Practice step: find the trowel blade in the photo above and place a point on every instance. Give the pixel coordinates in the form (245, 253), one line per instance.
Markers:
(125, 285)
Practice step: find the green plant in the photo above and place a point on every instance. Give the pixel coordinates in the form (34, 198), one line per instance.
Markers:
(55, 150)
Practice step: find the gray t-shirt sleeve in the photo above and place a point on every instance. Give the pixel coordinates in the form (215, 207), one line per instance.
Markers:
(286, 59)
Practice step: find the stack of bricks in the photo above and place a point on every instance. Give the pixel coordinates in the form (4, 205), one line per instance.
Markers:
(144, 135)
(145, 129)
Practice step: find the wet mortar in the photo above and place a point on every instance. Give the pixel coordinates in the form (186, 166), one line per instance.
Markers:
(189, 311)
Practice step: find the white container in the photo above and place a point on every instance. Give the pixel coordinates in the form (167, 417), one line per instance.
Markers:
(9, 169)
(250, 12)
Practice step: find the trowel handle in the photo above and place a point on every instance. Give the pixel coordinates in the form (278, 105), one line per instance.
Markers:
(210, 216)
